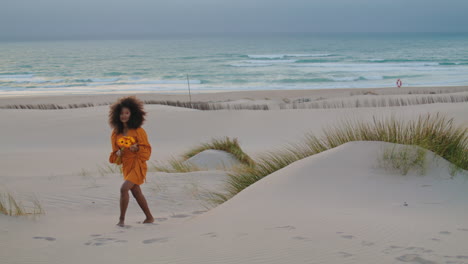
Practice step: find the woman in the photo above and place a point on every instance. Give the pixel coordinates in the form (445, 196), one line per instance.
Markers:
(126, 117)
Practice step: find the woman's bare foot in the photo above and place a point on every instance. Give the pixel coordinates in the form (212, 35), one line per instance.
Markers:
(148, 220)
(121, 223)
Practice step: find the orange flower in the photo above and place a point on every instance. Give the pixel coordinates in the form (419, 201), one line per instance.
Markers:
(124, 142)
(127, 143)
(121, 142)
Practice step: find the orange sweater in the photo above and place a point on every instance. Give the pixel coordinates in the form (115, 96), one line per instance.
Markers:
(133, 163)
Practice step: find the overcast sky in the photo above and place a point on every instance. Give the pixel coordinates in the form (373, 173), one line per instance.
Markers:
(33, 18)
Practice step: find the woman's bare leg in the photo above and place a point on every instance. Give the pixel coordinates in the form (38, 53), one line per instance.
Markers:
(124, 198)
(138, 194)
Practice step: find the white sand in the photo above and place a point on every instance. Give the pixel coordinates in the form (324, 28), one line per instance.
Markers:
(339, 206)
(213, 160)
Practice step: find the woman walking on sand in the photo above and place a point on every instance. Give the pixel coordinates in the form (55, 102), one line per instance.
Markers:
(126, 117)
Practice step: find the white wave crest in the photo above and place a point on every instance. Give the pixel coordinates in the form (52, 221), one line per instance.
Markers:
(345, 79)
(357, 78)
(269, 61)
(165, 82)
(282, 56)
(374, 77)
(272, 56)
(308, 55)
(16, 76)
(368, 65)
(249, 65)
(104, 79)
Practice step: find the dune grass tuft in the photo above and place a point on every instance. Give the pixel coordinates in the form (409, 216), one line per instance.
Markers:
(433, 132)
(9, 205)
(174, 165)
(404, 158)
(108, 169)
(225, 144)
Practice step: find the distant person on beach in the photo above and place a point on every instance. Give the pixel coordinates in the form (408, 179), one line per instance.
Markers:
(131, 149)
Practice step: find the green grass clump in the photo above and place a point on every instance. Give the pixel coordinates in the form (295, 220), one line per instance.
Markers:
(108, 169)
(432, 132)
(403, 158)
(10, 206)
(174, 165)
(224, 144)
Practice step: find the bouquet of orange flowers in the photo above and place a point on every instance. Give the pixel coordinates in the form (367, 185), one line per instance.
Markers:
(124, 142)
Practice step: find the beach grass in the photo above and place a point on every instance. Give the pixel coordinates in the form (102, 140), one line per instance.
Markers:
(9, 205)
(373, 100)
(365, 99)
(224, 144)
(108, 169)
(404, 158)
(433, 132)
(174, 165)
(204, 106)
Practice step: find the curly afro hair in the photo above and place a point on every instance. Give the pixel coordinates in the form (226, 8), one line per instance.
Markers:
(137, 114)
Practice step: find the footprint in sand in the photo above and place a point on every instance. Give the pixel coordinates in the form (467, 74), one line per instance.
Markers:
(419, 250)
(100, 241)
(198, 212)
(392, 249)
(288, 227)
(104, 239)
(146, 224)
(445, 233)
(161, 219)
(156, 240)
(435, 239)
(95, 235)
(46, 238)
(413, 250)
(463, 229)
(180, 216)
(348, 236)
(301, 238)
(345, 254)
(456, 259)
(210, 234)
(415, 258)
(367, 243)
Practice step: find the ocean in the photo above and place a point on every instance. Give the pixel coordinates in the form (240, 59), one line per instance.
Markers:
(233, 62)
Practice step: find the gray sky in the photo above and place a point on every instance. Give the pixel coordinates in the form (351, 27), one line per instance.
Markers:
(72, 18)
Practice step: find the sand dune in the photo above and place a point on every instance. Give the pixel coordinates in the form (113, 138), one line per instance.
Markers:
(311, 211)
(340, 206)
(213, 160)
(356, 212)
